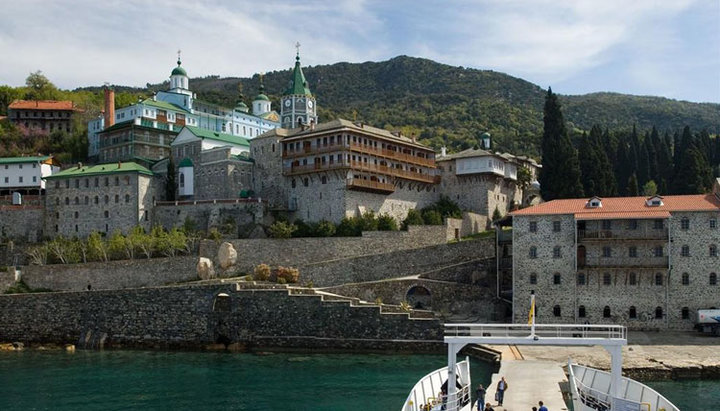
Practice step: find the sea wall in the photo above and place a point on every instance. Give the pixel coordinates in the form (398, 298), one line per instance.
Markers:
(110, 275)
(301, 251)
(199, 315)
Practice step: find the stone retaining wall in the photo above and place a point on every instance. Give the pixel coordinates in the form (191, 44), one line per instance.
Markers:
(301, 251)
(110, 275)
(209, 214)
(393, 264)
(22, 223)
(195, 316)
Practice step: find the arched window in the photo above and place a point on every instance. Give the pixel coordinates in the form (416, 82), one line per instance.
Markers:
(77, 201)
(87, 199)
(533, 278)
(77, 214)
(606, 312)
(117, 198)
(182, 180)
(107, 199)
(685, 279)
(713, 279)
(581, 311)
(658, 279)
(633, 312)
(221, 303)
(556, 311)
(658, 312)
(96, 200)
(107, 215)
(685, 313)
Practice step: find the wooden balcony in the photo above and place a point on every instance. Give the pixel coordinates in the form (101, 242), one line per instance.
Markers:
(370, 186)
(313, 150)
(623, 234)
(395, 155)
(361, 166)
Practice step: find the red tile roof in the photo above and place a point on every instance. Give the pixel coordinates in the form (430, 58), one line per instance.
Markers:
(41, 105)
(624, 207)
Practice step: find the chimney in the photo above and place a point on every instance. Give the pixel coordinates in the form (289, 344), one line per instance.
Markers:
(443, 151)
(109, 107)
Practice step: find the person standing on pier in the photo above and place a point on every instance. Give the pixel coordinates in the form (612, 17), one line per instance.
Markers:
(542, 406)
(502, 386)
(480, 397)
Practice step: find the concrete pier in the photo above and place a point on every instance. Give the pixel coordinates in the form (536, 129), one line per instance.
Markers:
(529, 381)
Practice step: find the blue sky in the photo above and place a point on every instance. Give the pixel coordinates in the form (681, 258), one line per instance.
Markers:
(665, 48)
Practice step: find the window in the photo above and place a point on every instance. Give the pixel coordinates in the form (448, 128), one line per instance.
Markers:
(34, 179)
(632, 252)
(658, 251)
(7, 179)
(127, 198)
(658, 224)
(107, 214)
(107, 199)
(292, 183)
(556, 311)
(685, 223)
(20, 179)
(607, 279)
(606, 224)
(533, 226)
(97, 182)
(633, 312)
(556, 278)
(658, 313)
(323, 180)
(685, 251)
(77, 201)
(713, 223)
(713, 279)
(581, 311)
(632, 225)
(556, 226)
(606, 312)
(685, 279)
(556, 252)
(533, 252)
(606, 251)
(633, 279)
(306, 182)
(117, 181)
(67, 200)
(658, 279)
(87, 200)
(581, 279)
(533, 278)
(77, 214)
(713, 250)
(685, 313)
(87, 183)
(77, 183)
(96, 200)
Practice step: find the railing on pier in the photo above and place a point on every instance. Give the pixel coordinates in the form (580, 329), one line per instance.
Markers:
(544, 331)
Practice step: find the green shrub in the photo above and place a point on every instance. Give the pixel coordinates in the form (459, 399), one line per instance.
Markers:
(496, 216)
(281, 280)
(303, 229)
(3, 268)
(368, 222)
(324, 228)
(386, 222)
(447, 208)
(432, 217)
(261, 272)
(413, 218)
(281, 229)
(215, 235)
(349, 227)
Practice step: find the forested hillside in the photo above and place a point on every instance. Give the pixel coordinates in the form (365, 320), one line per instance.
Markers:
(446, 105)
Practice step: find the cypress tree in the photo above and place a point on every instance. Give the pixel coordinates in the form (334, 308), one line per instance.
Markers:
(170, 180)
(632, 186)
(652, 155)
(560, 174)
(643, 164)
(622, 170)
(589, 167)
(692, 174)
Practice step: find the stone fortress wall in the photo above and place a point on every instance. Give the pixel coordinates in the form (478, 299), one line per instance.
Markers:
(211, 213)
(200, 315)
(22, 223)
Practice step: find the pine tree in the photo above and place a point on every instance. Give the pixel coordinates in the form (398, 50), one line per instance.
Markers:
(560, 174)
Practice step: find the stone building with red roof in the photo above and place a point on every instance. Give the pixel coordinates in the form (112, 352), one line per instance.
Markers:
(43, 115)
(647, 263)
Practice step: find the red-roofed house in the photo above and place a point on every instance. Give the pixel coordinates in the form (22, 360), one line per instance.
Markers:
(46, 115)
(647, 263)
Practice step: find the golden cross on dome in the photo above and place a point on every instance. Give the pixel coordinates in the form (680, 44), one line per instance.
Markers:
(297, 46)
(179, 51)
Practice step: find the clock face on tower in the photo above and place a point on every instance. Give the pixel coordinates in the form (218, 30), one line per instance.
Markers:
(310, 104)
(287, 103)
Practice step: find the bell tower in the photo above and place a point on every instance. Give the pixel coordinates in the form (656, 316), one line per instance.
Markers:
(179, 79)
(297, 105)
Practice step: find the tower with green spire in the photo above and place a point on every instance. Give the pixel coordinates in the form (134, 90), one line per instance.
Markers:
(297, 105)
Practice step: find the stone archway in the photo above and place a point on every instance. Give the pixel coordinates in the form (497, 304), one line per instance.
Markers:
(419, 297)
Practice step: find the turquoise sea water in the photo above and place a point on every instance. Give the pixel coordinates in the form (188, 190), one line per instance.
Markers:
(690, 395)
(110, 380)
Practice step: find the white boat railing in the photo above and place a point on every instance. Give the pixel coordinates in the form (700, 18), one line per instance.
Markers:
(632, 392)
(559, 331)
(426, 395)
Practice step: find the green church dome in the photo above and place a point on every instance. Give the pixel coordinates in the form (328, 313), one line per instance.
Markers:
(186, 162)
(178, 70)
(262, 97)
